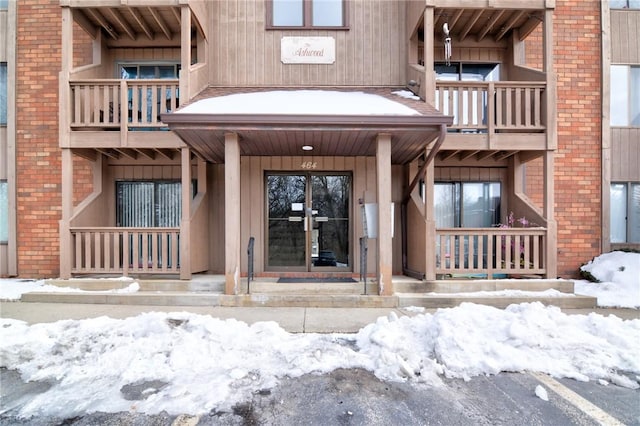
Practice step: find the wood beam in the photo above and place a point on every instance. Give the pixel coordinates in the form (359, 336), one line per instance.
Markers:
(489, 26)
(451, 154)
(109, 153)
(477, 14)
(506, 155)
(140, 20)
(176, 14)
(127, 153)
(122, 22)
(515, 16)
(86, 153)
(468, 154)
(149, 153)
(167, 153)
(530, 26)
(455, 19)
(485, 155)
(81, 19)
(95, 14)
(163, 26)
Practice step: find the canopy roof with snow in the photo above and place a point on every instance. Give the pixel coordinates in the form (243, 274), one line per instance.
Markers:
(335, 122)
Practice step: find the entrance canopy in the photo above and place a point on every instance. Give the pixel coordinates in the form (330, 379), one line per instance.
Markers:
(322, 122)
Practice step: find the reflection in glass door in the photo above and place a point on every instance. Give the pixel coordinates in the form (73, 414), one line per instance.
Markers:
(308, 222)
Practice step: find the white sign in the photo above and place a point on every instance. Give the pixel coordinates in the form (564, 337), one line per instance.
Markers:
(308, 50)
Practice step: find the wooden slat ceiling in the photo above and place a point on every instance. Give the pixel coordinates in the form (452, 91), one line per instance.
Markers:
(128, 26)
(480, 24)
(285, 135)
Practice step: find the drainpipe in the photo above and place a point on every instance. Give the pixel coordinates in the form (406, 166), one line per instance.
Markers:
(405, 201)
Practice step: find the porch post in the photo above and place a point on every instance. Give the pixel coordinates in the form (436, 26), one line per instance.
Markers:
(232, 213)
(552, 227)
(385, 250)
(430, 224)
(67, 212)
(552, 144)
(185, 223)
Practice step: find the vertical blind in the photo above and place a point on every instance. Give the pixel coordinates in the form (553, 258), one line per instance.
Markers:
(148, 204)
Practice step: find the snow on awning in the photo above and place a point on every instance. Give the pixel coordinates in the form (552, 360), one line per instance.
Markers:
(305, 102)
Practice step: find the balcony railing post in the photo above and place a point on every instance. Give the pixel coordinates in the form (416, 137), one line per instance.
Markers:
(124, 111)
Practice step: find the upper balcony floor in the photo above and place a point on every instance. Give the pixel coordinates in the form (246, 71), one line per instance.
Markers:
(232, 44)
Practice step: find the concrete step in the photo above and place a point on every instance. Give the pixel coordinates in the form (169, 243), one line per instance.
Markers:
(172, 298)
(96, 284)
(315, 288)
(469, 286)
(434, 301)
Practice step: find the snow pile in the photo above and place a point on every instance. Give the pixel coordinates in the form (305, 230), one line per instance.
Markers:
(195, 363)
(619, 276)
(303, 102)
(13, 289)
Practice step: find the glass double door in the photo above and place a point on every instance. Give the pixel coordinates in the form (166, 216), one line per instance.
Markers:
(308, 221)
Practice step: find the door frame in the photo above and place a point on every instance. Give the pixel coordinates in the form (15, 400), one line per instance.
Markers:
(308, 266)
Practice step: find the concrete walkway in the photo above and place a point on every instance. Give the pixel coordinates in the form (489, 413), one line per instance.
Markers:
(294, 320)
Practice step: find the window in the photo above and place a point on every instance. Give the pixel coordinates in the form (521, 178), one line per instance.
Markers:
(467, 204)
(625, 95)
(148, 203)
(624, 4)
(471, 114)
(625, 213)
(4, 4)
(3, 93)
(306, 13)
(148, 71)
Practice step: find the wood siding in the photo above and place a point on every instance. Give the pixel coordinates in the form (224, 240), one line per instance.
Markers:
(625, 154)
(625, 44)
(246, 54)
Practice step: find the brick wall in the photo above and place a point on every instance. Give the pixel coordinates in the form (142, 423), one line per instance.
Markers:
(38, 157)
(577, 168)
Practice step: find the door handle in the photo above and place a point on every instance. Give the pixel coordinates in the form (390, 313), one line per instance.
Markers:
(295, 218)
(321, 219)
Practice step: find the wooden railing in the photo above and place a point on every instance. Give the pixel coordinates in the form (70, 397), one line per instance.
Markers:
(125, 251)
(495, 106)
(490, 251)
(110, 104)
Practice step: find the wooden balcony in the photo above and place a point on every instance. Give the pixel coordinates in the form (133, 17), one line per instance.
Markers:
(123, 115)
(486, 252)
(112, 104)
(494, 115)
(125, 251)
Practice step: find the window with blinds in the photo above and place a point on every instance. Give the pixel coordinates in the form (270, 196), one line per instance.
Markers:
(148, 204)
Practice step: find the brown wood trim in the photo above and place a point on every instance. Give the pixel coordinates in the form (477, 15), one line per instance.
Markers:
(409, 122)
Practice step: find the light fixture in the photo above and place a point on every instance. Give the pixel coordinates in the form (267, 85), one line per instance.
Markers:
(307, 148)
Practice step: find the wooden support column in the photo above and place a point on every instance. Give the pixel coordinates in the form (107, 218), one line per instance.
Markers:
(232, 213)
(185, 224)
(552, 144)
(384, 243)
(67, 212)
(185, 51)
(430, 223)
(548, 211)
(429, 59)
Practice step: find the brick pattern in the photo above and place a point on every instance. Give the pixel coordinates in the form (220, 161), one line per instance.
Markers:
(38, 157)
(578, 161)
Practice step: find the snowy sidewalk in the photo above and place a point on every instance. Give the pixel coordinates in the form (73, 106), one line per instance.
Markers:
(293, 320)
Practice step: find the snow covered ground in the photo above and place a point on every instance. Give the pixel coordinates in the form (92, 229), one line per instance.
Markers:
(196, 363)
